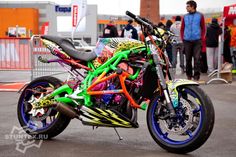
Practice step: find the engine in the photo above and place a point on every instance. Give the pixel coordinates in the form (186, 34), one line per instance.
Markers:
(114, 101)
(107, 100)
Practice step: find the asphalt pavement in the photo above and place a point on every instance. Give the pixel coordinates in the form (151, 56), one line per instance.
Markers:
(83, 141)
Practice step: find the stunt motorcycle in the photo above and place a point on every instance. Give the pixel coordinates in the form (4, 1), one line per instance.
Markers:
(109, 83)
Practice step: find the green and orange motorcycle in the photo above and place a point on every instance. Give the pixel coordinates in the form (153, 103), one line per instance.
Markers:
(109, 83)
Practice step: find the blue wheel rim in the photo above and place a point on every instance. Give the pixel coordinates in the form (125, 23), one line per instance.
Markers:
(164, 135)
(26, 118)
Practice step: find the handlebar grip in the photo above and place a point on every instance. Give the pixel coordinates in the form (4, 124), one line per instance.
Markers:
(131, 14)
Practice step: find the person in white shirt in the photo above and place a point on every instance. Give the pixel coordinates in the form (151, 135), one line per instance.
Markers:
(178, 45)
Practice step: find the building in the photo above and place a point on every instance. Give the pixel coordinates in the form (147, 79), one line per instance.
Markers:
(48, 17)
(103, 20)
(56, 19)
(150, 10)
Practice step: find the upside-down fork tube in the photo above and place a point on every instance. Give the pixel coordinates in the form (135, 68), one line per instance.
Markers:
(164, 85)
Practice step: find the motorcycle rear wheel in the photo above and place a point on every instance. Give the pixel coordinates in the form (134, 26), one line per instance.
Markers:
(40, 126)
(190, 128)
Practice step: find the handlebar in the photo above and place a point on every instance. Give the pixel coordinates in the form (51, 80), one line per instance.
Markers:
(130, 14)
(146, 20)
(152, 29)
(139, 20)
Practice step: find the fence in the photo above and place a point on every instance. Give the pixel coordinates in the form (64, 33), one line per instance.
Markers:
(15, 54)
(43, 69)
(23, 53)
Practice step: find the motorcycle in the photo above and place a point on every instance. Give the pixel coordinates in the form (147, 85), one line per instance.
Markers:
(109, 83)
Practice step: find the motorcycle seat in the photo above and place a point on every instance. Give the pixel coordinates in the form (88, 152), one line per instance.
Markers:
(69, 48)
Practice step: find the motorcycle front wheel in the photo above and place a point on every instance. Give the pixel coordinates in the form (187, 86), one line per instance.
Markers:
(191, 126)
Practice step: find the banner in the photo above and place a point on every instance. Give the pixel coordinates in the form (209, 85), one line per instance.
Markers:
(74, 15)
(230, 11)
(44, 29)
(230, 15)
(78, 12)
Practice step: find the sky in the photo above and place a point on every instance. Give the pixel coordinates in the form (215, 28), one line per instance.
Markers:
(119, 7)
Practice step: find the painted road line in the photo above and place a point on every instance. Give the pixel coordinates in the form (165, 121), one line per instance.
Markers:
(11, 86)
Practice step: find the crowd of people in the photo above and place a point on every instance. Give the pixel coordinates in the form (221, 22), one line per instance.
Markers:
(194, 39)
(128, 31)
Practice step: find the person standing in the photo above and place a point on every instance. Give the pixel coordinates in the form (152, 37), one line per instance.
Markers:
(192, 32)
(226, 51)
(129, 31)
(203, 58)
(178, 45)
(161, 25)
(212, 42)
(110, 30)
(169, 46)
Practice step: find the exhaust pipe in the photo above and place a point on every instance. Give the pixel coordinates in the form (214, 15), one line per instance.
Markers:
(66, 110)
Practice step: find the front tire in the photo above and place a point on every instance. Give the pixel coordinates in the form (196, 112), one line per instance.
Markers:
(190, 128)
(40, 126)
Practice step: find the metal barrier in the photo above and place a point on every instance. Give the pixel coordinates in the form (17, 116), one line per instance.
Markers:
(43, 69)
(22, 54)
(15, 54)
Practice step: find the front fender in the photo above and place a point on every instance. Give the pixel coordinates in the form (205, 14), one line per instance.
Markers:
(173, 84)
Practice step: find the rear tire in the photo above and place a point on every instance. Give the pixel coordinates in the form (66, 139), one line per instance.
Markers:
(196, 136)
(45, 132)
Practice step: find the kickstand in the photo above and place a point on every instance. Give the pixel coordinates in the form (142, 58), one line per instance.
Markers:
(120, 138)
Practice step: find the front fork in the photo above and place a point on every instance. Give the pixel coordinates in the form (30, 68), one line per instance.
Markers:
(161, 77)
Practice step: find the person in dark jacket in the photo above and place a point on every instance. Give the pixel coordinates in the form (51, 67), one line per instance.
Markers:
(212, 42)
(192, 32)
(226, 51)
(161, 25)
(129, 31)
(110, 30)
(169, 46)
(204, 67)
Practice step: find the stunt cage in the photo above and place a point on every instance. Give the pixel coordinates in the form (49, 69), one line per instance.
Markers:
(228, 18)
